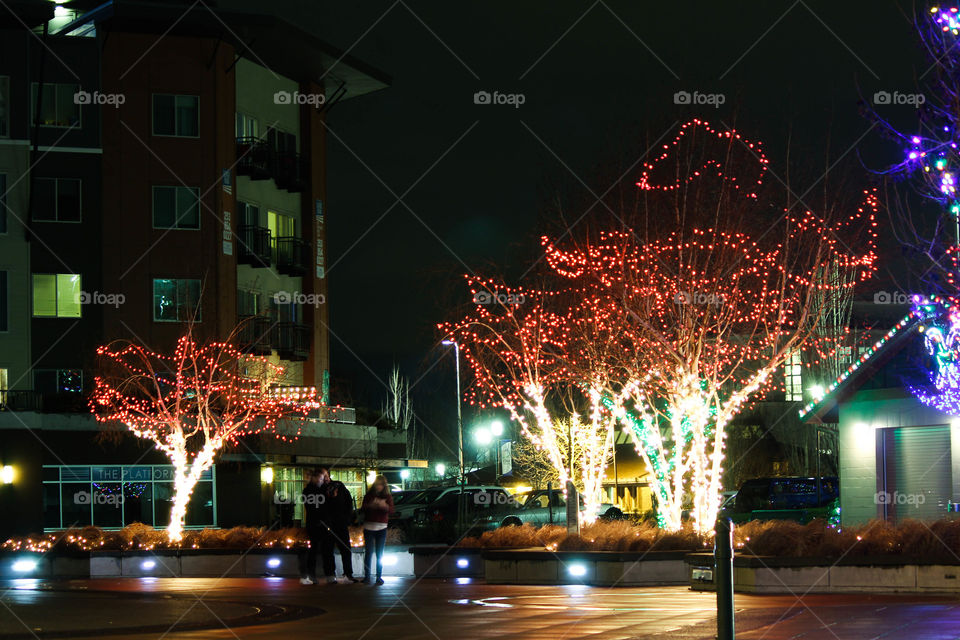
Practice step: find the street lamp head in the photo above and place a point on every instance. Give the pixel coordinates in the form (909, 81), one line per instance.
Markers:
(441, 469)
(496, 428)
(405, 473)
(483, 436)
(449, 342)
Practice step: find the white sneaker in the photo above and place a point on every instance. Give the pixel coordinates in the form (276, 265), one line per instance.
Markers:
(306, 581)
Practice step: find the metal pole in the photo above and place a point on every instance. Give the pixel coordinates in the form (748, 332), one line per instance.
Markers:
(723, 577)
(819, 499)
(463, 479)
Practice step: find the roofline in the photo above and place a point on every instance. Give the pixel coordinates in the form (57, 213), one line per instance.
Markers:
(818, 407)
(239, 19)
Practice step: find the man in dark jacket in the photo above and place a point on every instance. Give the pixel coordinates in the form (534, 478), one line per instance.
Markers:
(313, 500)
(336, 516)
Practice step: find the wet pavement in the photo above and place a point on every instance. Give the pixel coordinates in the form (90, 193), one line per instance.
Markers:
(181, 608)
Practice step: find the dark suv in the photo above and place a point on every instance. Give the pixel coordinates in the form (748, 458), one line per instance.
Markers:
(438, 521)
(795, 498)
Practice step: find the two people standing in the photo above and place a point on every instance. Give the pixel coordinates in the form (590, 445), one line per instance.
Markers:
(377, 507)
(328, 510)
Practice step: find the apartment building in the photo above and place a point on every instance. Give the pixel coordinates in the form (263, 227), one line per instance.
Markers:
(161, 163)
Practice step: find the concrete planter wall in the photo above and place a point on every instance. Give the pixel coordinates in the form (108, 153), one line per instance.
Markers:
(882, 574)
(600, 568)
(447, 562)
(186, 563)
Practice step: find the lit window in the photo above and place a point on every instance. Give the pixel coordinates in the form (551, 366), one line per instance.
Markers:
(176, 116)
(247, 126)
(176, 300)
(176, 208)
(57, 200)
(56, 295)
(792, 378)
(58, 105)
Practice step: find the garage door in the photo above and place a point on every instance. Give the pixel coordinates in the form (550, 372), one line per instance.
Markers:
(916, 479)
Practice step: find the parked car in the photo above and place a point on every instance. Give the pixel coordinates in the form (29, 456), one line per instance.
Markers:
(403, 512)
(794, 498)
(542, 507)
(400, 497)
(438, 520)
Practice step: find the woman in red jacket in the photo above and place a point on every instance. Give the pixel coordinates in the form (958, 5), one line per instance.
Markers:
(377, 507)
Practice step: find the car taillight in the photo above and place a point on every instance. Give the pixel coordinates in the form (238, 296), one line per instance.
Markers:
(437, 516)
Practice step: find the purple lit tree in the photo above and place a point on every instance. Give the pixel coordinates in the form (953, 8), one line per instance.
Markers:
(931, 164)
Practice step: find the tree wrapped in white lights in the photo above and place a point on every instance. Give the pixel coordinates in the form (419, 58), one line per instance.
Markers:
(541, 355)
(192, 403)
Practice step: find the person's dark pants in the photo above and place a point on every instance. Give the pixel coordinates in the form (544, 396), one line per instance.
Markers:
(315, 534)
(373, 543)
(336, 538)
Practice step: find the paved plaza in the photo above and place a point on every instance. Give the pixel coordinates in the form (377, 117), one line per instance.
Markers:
(182, 608)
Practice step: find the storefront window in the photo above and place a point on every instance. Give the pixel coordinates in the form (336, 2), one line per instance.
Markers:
(113, 496)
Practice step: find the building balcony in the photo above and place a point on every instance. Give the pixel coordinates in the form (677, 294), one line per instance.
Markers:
(292, 341)
(293, 256)
(253, 158)
(253, 246)
(288, 171)
(253, 335)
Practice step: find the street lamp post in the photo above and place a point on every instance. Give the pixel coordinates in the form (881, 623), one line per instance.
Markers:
(463, 480)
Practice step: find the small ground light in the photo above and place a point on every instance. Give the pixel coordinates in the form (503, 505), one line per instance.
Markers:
(389, 559)
(273, 563)
(577, 570)
(147, 565)
(24, 566)
(463, 563)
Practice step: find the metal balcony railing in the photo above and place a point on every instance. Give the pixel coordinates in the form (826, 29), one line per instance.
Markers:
(254, 335)
(253, 158)
(293, 256)
(292, 341)
(254, 245)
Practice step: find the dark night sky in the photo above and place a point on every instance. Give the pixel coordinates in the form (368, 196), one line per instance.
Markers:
(593, 92)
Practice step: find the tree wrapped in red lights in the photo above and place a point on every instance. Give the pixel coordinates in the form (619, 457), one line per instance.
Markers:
(671, 333)
(192, 403)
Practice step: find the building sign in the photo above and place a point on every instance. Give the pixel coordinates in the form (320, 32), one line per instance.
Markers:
(506, 457)
(319, 217)
(227, 235)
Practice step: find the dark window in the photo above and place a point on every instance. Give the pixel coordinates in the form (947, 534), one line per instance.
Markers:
(176, 208)
(249, 214)
(3, 203)
(176, 115)
(4, 309)
(59, 106)
(58, 381)
(57, 200)
(4, 101)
